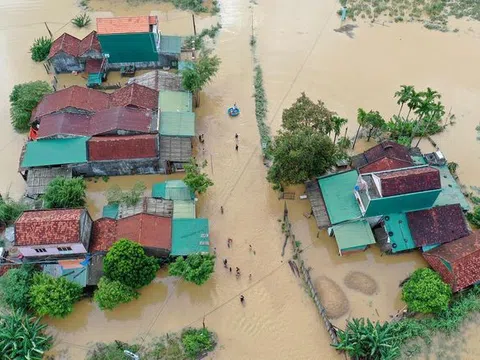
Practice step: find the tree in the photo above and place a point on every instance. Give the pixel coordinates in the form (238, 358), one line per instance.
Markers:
(15, 287)
(197, 181)
(300, 155)
(22, 336)
(373, 121)
(474, 216)
(53, 296)
(110, 294)
(126, 262)
(404, 95)
(197, 268)
(361, 115)
(10, 210)
(40, 49)
(200, 73)
(23, 99)
(63, 193)
(305, 113)
(368, 341)
(197, 342)
(426, 292)
(413, 102)
(338, 123)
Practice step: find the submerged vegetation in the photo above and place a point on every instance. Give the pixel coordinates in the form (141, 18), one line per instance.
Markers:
(40, 49)
(196, 180)
(81, 20)
(10, 210)
(131, 197)
(63, 193)
(197, 41)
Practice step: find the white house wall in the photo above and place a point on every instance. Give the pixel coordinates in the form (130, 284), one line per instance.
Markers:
(29, 251)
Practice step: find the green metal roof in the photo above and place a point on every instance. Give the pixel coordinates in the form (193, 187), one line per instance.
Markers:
(55, 152)
(175, 101)
(184, 65)
(77, 275)
(94, 79)
(451, 191)
(110, 211)
(184, 209)
(190, 236)
(337, 191)
(353, 235)
(397, 228)
(172, 190)
(419, 160)
(170, 44)
(175, 123)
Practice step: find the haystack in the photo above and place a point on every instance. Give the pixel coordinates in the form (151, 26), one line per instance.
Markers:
(362, 282)
(332, 297)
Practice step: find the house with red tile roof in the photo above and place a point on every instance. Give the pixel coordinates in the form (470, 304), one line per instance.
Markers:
(69, 53)
(113, 148)
(457, 262)
(135, 95)
(388, 155)
(53, 233)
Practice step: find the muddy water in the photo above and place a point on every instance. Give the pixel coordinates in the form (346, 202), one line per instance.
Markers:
(299, 52)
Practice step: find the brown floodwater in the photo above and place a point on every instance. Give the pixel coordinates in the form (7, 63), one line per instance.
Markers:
(299, 51)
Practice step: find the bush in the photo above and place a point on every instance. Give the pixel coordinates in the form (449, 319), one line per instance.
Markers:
(193, 5)
(115, 195)
(10, 210)
(112, 351)
(65, 193)
(40, 49)
(110, 294)
(474, 216)
(23, 99)
(53, 296)
(197, 342)
(196, 180)
(126, 262)
(22, 336)
(81, 21)
(15, 287)
(426, 292)
(196, 268)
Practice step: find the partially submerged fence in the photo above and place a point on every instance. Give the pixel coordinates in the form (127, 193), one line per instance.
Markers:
(299, 268)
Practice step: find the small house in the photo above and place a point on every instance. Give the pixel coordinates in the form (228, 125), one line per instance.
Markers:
(388, 155)
(183, 198)
(75, 271)
(190, 236)
(457, 262)
(61, 233)
(135, 95)
(175, 101)
(352, 236)
(159, 80)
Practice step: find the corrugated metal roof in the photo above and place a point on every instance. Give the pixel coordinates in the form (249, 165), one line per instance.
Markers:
(176, 149)
(110, 211)
(173, 123)
(64, 124)
(55, 152)
(184, 65)
(159, 190)
(337, 191)
(175, 101)
(178, 190)
(451, 191)
(124, 25)
(147, 230)
(184, 209)
(190, 236)
(170, 44)
(353, 234)
(121, 119)
(76, 275)
(397, 228)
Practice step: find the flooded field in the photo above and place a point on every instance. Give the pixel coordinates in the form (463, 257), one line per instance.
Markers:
(299, 51)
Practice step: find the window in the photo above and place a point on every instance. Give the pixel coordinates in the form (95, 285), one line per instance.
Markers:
(40, 250)
(67, 248)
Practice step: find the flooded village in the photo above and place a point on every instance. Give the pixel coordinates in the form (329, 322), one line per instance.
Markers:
(125, 123)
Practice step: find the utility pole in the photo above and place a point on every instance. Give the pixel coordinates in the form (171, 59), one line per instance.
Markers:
(51, 35)
(194, 26)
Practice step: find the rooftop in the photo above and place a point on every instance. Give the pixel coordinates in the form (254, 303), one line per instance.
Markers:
(148, 230)
(135, 95)
(172, 190)
(175, 101)
(64, 124)
(55, 152)
(121, 118)
(409, 180)
(175, 149)
(383, 164)
(158, 80)
(47, 227)
(388, 149)
(88, 43)
(170, 44)
(125, 25)
(65, 43)
(353, 234)
(122, 147)
(398, 231)
(184, 209)
(457, 250)
(159, 207)
(437, 225)
(104, 234)
(190, 236)
(337, 192)
(451, 191)
(173, 123)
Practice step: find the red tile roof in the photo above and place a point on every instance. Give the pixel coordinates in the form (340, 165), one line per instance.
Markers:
(147, 230)
(124, 25)
(135, 95)
(65, 43)
(383, 164)
(75, 97)
(463, 256)
(104, 234)
(386, 149)
(48, 227)
(409, 180)
(93, 66)
(122, 147)
(89, 42)
(64, 124)
(121, 119)
(437, 225)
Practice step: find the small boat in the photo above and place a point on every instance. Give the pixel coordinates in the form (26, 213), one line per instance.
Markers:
(233, 111)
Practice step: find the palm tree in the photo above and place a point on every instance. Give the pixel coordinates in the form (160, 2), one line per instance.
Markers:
(361, 119)
(338, 122)
(413, 102)
(437, 110)
(404, 95)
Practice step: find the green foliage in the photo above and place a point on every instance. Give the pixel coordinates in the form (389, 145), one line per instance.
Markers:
(197, 268)
(261, 108)
(23, 99)
(196, 180)
(426, 292)
(10, 210)
(126, 262)
(22, 336)
(113, 351)
(63, 193)
(300, 155)
(344, 143)
(110, 294)
(40, 49)
(81, 20)
(15, 287)
(193, 5)
(53, 296)
(452, 167)
(197, 342)
(369, 341)
(372, 121)
(215, 8)
(115, 195)
(201, 72)
(474, 216)
(197, 41)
